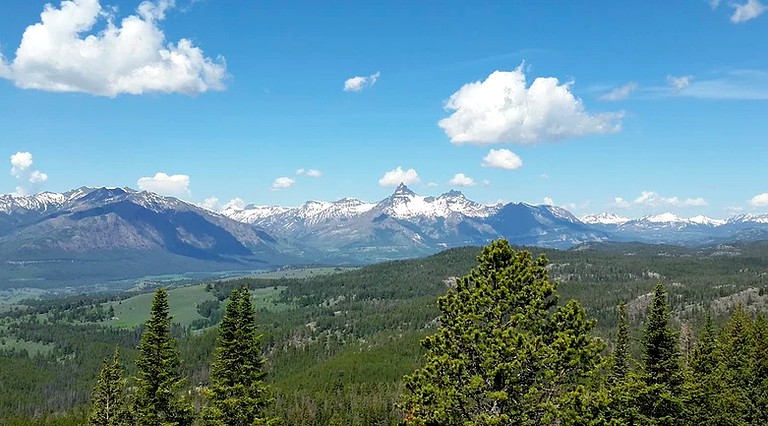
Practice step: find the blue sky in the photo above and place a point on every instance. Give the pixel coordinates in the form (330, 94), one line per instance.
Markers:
(632, 107)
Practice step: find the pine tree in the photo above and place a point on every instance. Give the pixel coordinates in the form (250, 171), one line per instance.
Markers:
(157, 400)
(661, 357)
(621, 358)
(237, 393)
(108, 397)
(735, 370)
(504, 352)
(661, 364)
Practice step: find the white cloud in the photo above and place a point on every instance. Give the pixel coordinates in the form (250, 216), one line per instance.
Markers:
(653, 199)
(679, 83)
(619, 203)
(356, 84)
(486, 182)
(502, 159)
(503, 109)
(397, 176)
(544, 176)
(737, 84)
(235, 203)
(747, 11)
(309, 172)
(759, 200)
(460, 179)
(28, 179)
(714, 3)
(211, 203)
(60, 54)
(282, 183)
(619, 93)
(431, 185)
(164, 184)
(549, 201)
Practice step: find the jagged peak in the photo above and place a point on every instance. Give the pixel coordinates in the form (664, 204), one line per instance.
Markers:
(452, 194)
(403, 189)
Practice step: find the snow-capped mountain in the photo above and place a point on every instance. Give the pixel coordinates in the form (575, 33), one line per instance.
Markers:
(748, 218)
(100, 231)
(604, 219)
(123, 231)
(405, 224)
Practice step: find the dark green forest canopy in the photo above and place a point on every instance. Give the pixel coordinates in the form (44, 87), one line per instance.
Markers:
(341, 343)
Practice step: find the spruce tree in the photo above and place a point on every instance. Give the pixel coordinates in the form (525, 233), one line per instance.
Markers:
(108, 397)
(237, 393)
(661, 365)
(505, 352)
(621, 358)
(661, 357)
(157, 399)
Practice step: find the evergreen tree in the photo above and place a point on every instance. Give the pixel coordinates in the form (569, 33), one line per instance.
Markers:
(661, 364)
(504, 352)
(157, 400)
(237, 393)
(108, 398)
(621, 358)
(703, 360)
(734, 373)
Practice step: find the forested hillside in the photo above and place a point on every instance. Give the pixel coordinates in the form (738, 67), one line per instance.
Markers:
(337, 346)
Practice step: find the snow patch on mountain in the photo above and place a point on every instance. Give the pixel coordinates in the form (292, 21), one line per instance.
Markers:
(604, 219)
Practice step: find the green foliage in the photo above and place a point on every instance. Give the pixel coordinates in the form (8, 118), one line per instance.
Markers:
(108, 406)
(661, 357)
(661, 369)
(504, 351)
(337, 346)
(157, 399)
(237, 394)
(621, 356)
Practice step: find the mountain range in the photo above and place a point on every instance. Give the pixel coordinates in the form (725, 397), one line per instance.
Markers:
(96, 235)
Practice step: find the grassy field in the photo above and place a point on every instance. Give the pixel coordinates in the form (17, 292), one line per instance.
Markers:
(300, 273)
(183, 303)
(10, 297)
(32, 348)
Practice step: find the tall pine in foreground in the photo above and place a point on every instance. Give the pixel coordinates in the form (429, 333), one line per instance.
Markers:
(661, 370)
(621, 357)
(157, 401)
(108, 398)
(237, 393)
(505, 352)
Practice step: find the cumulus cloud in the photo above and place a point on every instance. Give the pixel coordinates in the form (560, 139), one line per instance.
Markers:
(460, 179)
(61, 54)
(282, 183)
(165, 184)
(619, 203)
(211, 203)
(309, 172)
(653, 199)
(746, 11)
(502, 159)
(235, 203)
(356, 84)
(549, 201)
(28, 180)
(679, 83)
(431, 184)
(759, 200)
(504, 109)
(397, 176)
(619, 93)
